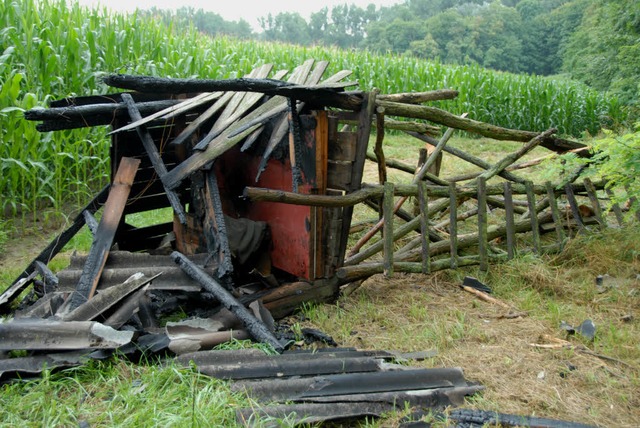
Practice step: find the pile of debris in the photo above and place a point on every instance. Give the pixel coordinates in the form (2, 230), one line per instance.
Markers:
(261, 176)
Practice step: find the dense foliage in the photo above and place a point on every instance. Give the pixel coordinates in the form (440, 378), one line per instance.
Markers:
(50, 50)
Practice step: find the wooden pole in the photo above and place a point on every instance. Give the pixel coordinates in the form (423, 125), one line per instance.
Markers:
(423, 198)
(388, 229)
(535, 231)
(453, 225)
(555, 212)
(482, 224)
(510, 229)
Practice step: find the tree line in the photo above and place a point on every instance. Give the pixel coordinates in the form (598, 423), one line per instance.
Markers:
(594, 41)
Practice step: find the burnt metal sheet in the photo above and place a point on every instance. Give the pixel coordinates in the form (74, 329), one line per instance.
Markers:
(272, 366)
(121, 265)
(353, 383)
(248, 356)
(311, 412)
(36, 364)
(33, 334)
(107, 298)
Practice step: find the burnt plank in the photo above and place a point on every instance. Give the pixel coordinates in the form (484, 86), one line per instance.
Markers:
(216, 228)
(103, 239)
(255, 327)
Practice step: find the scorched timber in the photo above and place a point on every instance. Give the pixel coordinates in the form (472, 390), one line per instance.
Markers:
(325, 94)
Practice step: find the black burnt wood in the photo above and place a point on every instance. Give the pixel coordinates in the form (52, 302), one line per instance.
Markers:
(325, 94)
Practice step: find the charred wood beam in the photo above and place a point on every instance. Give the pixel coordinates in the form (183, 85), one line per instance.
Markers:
(443, 117)
(54, 247)
(255, 327)
(327, 94)
(68, 118)
(103, 239)
(109, 111)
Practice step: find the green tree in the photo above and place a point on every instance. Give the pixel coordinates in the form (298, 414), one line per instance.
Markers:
(604, 52)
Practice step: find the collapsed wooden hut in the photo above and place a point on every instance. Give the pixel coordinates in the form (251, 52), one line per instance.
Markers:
(261, 176)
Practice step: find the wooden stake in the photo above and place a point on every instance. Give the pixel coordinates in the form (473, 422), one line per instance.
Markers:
(535, 231)
(388, 229)
(423, 198)
(510, 227)
(482, 224)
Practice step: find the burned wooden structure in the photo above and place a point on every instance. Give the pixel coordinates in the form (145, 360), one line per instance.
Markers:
(261, 177)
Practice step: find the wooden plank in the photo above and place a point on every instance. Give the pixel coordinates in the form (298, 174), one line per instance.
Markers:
(555, 212)
(482, 224)
(388, 229)
(535, 231)
(107, 227)
(364, 132)
(154, 156)
(214, 221)
(339, 174)
(345, 147)
(510, 220)
(423, 198)
(573, 205)
(595, 203)
(322, 153)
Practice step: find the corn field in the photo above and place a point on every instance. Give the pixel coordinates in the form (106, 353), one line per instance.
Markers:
(53, 49)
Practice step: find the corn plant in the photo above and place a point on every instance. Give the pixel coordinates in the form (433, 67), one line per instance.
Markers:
(51, 49)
